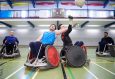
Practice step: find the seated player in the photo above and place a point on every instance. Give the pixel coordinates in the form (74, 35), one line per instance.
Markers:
(104, 42)
(47, 38)
(9, 42)
(65, 36)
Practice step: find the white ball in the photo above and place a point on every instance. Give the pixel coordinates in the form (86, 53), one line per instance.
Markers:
(80, 3)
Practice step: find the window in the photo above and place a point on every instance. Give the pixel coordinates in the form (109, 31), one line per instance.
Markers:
(76, 13)
(24, 14)
(41, 13)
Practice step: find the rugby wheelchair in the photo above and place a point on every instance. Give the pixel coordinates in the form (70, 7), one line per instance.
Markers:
(75, 55)
(10, 51)
(108, 50)
(51, 58)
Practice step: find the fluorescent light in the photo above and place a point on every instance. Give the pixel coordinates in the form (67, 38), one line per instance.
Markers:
(22, 30)
(112, 31)
(92, 30)
(112, 26)
(43, 25)
(65, 25)
(93, 25)
(2, 26)
(22, 25)
(2, 30)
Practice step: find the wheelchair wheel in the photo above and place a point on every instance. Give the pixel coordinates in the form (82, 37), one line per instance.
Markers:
(52, 56)
(14, 54)
(75, 56)
(111, 50)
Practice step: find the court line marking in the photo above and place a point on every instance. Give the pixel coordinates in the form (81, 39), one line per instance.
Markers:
(5, 62)
(2, 63)
(16, 61)
(91, 73)
(70, 72)
(104, 68)
(14, 72)
(103, 62)
(35, 74)
(30, 74)
(108, 60)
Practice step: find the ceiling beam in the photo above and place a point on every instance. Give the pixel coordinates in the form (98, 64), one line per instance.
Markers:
(31, 24)
(9, 3)
(57, 3)
(57, 23)
(33, 3)
(114, 13)
(106, 2)
(83, 25)
(8, 25)
(108, 25)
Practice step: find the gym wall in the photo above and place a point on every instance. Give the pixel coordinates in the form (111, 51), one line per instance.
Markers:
(91, 37)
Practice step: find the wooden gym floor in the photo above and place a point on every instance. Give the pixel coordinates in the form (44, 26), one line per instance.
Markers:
(99, 68)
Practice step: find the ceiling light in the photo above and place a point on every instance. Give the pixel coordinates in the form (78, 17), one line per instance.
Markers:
(93, 25)
(43, 25)
(2, 26)
(22, 30)
(92, 30)
(112, 26)
(22, 25)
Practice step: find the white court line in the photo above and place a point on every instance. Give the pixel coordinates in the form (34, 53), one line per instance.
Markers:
(104, 68)
(91, 73)
(14, 73)
(35, 74)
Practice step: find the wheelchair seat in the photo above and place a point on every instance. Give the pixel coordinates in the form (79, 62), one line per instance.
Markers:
(109, 50)
(51, 58)
(11, 52)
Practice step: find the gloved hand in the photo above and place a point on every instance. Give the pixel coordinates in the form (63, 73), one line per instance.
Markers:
(70, 17)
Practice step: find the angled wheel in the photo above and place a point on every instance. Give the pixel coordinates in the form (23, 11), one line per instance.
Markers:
(76, 56)
(52, 56)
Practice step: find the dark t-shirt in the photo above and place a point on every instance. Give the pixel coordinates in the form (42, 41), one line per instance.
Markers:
(107, 40)
(66, 38)
(10, 40)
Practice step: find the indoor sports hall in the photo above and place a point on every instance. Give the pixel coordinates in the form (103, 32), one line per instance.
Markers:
(57, 39)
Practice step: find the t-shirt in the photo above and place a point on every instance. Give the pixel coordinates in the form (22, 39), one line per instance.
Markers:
(48, 38)
(10, 40)
(107, 40)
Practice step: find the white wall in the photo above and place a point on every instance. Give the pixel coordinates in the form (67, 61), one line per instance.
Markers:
(91, 37)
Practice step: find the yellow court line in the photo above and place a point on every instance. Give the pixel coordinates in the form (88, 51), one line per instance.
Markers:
(35, 74)
(14, 72)
(17, 61)
(102, 62)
